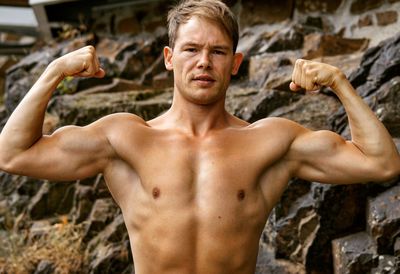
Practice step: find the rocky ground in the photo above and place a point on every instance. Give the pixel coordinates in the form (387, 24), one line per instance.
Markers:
(315, 228)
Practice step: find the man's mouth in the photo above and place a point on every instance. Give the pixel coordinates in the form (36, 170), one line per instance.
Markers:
(204, 78)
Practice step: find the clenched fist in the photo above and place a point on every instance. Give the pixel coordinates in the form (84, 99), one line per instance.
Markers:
(81, 63)
(311, 76)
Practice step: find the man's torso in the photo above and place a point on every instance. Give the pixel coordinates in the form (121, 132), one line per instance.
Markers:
(196, 204)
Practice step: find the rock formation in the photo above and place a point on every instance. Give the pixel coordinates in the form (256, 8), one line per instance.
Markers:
(315, 228)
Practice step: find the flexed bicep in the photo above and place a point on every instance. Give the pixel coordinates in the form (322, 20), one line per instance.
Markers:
(326, 157)
(70, 153)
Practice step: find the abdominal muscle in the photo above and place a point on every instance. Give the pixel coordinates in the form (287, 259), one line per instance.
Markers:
(198, 234)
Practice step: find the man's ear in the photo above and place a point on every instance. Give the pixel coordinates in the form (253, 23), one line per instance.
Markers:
(237, 60)
(168, 58)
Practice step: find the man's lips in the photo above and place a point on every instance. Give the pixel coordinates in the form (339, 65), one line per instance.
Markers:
(203, 77)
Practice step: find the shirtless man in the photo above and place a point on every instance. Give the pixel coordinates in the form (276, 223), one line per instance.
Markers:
(196, 184)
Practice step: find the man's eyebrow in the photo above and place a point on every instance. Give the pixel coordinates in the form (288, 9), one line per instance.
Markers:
(196, 45)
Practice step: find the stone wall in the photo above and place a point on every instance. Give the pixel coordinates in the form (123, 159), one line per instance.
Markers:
(315, 228)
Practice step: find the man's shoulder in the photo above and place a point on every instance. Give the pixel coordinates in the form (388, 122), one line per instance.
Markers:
(120, 124)
(121, 119)
(275, 123)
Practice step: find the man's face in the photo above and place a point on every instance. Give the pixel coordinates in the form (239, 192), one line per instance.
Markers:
(202, 61)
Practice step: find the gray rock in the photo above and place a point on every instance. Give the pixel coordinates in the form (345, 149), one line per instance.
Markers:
(251, 105)
(45, 267)
(103, 212)
(52, 198)
(111, 259)
(383, 219)
(387, 265)
(354, 254)
(311, 111)
(82, 109)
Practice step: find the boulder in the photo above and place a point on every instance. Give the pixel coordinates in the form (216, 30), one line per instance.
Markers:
(268, 39)
(86, 108)
(115, 232)
(251, 105)
(334, 221)
(383, 219)
(112, 259)
(267, 263)
(103, 212)
(322, 44)
(266, 70)
(354, 254)
(360, 6)
(323, 6)
(297, 222)
(387, 17)
(387, 106)
(83, 202)
(52, 198)
(311, 111)
(378, 65)
(387, 265)
(260, 12)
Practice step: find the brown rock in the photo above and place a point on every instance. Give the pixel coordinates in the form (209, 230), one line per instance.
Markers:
(163, 80)
(103, 212)
(323, 6)
(354, 254)
(52, 198)
(251, 105)
(83, 203)
(311, 111)
(383, 219)
(111, 48)
(50, 123)
(365, 21)
(319, 44)
(115, 232)
(82, 109)
(128, 25)
(397, 247)
(111, 259)
(258, 12)
(360, 6)
(347, 63)
(267, 263)
(261, 68)
(386, 18)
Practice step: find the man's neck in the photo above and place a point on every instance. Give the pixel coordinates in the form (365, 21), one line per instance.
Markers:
(195, 119)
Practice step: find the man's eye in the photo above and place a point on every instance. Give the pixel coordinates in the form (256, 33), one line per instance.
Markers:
(190, 49)
(219, 52)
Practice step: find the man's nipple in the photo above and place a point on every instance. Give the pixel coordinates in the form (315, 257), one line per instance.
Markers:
(241, 194)
(156, 192)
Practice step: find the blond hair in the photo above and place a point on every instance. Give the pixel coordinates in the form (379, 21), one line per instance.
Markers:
(213, 10)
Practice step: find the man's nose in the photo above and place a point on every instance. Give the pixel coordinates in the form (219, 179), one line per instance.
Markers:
(204, 61)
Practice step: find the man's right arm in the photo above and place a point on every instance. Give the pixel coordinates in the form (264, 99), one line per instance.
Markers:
(70, 152)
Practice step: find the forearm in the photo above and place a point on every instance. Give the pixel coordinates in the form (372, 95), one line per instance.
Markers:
(367, 132)
(24, 127)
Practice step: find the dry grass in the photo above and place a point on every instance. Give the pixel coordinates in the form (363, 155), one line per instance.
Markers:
(61, 245)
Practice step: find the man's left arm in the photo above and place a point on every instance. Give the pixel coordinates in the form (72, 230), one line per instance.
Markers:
(325, 156)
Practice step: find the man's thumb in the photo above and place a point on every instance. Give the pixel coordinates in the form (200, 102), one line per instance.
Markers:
(100, 73)
(294, 87)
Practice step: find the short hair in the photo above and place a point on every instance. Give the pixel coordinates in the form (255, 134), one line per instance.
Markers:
(214, 10)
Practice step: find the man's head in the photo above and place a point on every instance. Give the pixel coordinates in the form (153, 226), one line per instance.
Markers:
(202, 50)
(213, 10)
